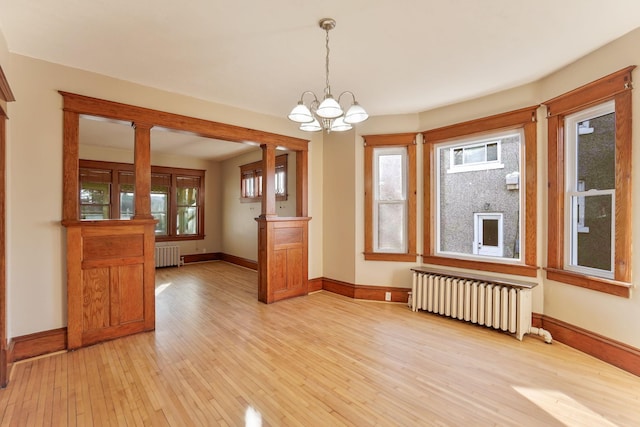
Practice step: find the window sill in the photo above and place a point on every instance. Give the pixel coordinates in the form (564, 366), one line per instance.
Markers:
(515, 269)
(599, 284)
(381, 256)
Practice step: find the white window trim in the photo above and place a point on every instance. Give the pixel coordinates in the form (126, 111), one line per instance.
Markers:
(476, 166)
(572, 189)
(377, 152)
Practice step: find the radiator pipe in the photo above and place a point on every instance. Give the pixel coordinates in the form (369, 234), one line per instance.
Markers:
(541, 332)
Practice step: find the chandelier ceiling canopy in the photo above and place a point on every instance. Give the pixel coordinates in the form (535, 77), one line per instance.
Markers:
(328, 113)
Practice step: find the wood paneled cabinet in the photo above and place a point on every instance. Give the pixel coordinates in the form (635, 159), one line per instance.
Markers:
(282, 258)
(110, 280)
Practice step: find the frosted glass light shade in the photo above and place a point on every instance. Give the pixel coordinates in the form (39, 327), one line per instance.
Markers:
(329, 108)
(301, 114)
(355, 114)
(313, 126)
(339, 125)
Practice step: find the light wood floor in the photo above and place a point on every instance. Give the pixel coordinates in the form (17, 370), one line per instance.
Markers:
(320, 360)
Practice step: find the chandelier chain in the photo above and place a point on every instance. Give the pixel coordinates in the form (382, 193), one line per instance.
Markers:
(327, 87)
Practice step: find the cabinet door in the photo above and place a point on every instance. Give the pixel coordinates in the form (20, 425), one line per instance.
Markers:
(110, 282)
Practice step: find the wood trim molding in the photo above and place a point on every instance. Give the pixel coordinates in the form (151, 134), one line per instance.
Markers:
(81, 104)
(4, 371)
(211, 256)
(606, 349)
(591, 93)
(525, 119)
(372, 293)
(5, 90)
(242, 262)
(39, 343)
(315, 284)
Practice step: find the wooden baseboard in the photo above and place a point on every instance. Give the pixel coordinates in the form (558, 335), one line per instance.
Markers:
(616, 353)
(314, 284)
(242, 262)
(212, 256)
(26, 346)
(373, 293)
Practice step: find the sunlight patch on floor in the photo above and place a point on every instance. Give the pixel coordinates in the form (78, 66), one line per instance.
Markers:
(564, 408)
(252, 418)
(162, 287)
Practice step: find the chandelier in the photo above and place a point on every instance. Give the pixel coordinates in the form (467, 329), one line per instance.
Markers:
(328, 114)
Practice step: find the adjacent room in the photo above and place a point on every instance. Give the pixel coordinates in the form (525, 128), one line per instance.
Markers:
(268, 213)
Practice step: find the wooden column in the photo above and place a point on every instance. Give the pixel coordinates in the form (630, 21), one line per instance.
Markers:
(70, 179)
(302, 183)
(4, 377)
(142, 170)
(268, 181)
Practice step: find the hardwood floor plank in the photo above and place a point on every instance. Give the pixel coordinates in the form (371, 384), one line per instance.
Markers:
(317, 360)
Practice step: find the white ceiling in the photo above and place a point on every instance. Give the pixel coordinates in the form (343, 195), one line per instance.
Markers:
(397, 56)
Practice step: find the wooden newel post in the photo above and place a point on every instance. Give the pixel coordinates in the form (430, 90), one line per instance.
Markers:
(268, 181)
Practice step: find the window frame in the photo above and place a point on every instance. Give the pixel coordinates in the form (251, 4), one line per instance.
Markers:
(117, 168)
(524, 120)
(475, 166)
(474, 140)
(254, 171)
(613, 87)
(404, 201)
(407, 140)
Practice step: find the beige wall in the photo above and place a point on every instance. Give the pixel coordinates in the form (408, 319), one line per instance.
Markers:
(239, 227)
(610, 316)
(35, 239)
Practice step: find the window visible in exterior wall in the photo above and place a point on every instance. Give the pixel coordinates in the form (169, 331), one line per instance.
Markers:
(471, 200)
(251, 180)
(475, 156)
(590, 185)
(107, 191)
(590, 190)
(390, 200)
(480, 194)
(390, 197)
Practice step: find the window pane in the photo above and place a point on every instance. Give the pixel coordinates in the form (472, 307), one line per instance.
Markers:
(474, 154)
(94, 212)
(492, 152)
(187, 196)
(390, 227)
(596, 152)
(593, 240)
(159, 208)
(127, 202)
(461, 196)
(95, 200)
(390, 176)
(187, 220)
(490, 232)
(94, 193)
(457, 156)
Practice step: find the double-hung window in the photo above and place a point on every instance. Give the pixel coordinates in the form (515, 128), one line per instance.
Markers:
(390, 197)
(480, 194)
(107, 191)
(590, 185)
(251, 180)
